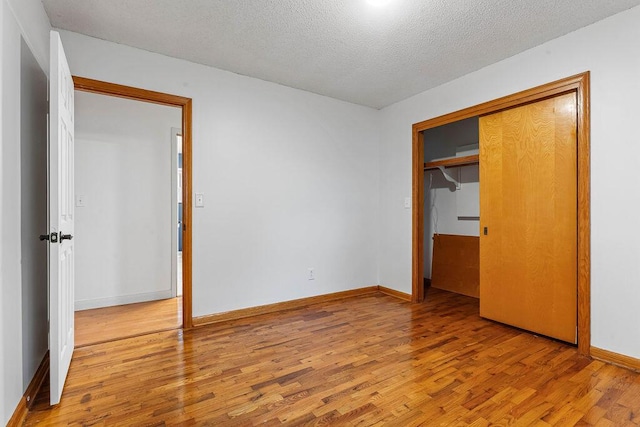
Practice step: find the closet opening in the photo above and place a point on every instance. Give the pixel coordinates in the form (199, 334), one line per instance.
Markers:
(452, 207)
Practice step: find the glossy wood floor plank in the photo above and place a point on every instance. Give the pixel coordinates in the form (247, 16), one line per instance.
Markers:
(367, 361)
(122, 321)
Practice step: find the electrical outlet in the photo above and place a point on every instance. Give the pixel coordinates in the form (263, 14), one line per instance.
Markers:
(311, 273)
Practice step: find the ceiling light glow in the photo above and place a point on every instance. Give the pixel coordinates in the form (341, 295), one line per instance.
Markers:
(378, 3)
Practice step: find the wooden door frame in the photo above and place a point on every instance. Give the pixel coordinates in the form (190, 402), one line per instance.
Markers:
(104, 88)
(579, 84)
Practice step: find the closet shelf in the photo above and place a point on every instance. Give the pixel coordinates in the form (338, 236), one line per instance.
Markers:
(451, 162)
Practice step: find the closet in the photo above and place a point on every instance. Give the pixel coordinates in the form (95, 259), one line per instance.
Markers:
(507, 180)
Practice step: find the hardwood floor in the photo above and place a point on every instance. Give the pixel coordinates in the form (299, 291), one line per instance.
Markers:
(363, 361)
(110, 323)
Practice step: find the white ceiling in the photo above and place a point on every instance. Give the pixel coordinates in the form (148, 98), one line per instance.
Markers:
(345, 49)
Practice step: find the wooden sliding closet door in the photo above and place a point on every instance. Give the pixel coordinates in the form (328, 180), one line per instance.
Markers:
(528, 207)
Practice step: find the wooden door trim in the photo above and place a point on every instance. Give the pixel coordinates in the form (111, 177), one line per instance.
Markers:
(128, 92)
(578, 84)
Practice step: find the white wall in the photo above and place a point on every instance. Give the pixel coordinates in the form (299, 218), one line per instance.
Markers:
(3, 405)
(33, 215)
(609, 49)
(11, 278)
(31, 23)
(123, 233)
(289, 179)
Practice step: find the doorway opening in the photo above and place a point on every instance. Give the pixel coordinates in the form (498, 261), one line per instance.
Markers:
(143, 210)
(578, 85)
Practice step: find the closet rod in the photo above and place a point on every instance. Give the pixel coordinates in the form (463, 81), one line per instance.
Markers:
(453, 161)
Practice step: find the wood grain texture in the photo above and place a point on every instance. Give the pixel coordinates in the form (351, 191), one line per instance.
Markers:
(280, 306)
(37, 381)
(417, 217)
(187, 214)
(454, 161)
(584, 213)
(19, 414)
(456, 264)
(528, 202)
(580, 84)
(396, 294)
(616, 359)
(29, 397)
(123, 321)
(128, 92)
(574, 83)
(368, 361)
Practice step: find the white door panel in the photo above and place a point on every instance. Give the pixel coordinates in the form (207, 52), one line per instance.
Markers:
(61, 218)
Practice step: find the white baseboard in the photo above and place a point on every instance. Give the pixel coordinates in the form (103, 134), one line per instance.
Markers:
(121, 299)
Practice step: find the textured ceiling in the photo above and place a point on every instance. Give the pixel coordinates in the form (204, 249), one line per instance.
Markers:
(345, 49)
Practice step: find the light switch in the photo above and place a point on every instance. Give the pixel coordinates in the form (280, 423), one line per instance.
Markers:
(80, 200)
(407, 202)
(199, 200)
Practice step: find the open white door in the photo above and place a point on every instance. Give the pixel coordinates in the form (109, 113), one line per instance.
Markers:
(61, 220)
